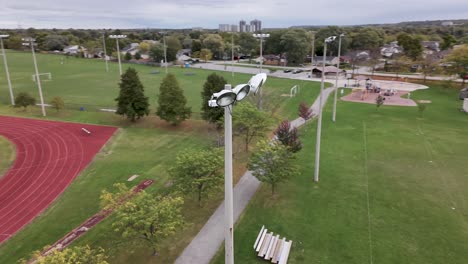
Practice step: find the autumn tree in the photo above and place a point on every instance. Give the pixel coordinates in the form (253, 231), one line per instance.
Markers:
(459, 60)
(249, 122)
(288, 136)
(132, 101)
(214, 83)
(71, 255)
(57, 103)
(172, 104)
(198, 171)
(304, 111)
(272, 163)
(144, 218)
(206, 54)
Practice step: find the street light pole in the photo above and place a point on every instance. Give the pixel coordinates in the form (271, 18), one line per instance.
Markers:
(30, 42)
(261, 36)
(117, 37)
(232, 54)
(336, 81)
(104, 49)
(6, 69)
(319, 125)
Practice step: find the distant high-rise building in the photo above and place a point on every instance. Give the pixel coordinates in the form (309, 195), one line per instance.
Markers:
(224, 27)
(248, 28)
(234, 28)
(256, 25)
(242, 25)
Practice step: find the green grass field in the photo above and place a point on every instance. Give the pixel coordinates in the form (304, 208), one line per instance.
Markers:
(393, 189)
(146, 148)
(7, 155)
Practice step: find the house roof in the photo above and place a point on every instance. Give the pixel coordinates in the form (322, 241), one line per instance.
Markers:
(328, 69)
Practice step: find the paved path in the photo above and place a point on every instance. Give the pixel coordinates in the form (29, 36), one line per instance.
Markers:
(207, 242)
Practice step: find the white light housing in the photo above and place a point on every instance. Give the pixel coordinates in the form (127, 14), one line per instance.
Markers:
(241, 91)
(224, 98)
(4, 36)
(330, 39)
(257, 81)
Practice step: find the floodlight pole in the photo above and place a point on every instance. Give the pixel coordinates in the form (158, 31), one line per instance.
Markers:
(312, 56)
(165, 49)
(6, 69)
(104, 49)
(117, 37)
(228, 185)
(336, 81)
(30, 41)
(261, 36)
(319, 125)
(232, 54)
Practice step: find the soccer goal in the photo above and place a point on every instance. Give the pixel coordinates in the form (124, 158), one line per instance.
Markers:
(294, 90)
(48, 74)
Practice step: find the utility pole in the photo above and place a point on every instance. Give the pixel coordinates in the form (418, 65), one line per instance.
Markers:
(312, 56)
(30, 42)
(6, 69)
(165, 48)
(117, 37)
(261, 37)
(232, 54)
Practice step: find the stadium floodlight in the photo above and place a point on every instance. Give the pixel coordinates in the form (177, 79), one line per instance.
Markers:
(226, 98)
(117, 37)
(319, 123)
(6, 68)
(104, 50)
(30, 42)
(336, 80)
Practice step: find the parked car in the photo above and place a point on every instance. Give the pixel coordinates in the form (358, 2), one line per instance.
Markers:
(287, 70)
(296, 71)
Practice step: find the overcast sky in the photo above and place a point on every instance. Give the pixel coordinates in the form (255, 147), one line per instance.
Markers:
(210, 13)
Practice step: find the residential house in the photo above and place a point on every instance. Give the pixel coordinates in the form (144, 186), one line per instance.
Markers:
(388, 50)
(329, 60)
(133, 49)
(430, 47)
(329, 71)
(74, 49)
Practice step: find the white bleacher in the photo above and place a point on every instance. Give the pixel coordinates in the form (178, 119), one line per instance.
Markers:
(271, 247)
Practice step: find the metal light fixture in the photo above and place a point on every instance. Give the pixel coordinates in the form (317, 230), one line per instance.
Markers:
(257, 81)
(241, 91)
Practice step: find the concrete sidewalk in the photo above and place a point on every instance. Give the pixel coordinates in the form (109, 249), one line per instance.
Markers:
(207, 242)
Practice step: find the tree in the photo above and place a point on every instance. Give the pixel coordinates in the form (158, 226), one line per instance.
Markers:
(73, 255)
(132, 101)
(55, 42)
(411, 46)
(14, 42)
(421, 108)
(448, 42)
(367, 39)
(332, 48)
(296, 43)
(144, 47)
(198, 171)
(196, 45)
(24, 100)
(304, 111)
(206, 54)
(429, 65)
(379, 101)
(249, 123)
(214, 43)
(128, 56)
(137, 56)
(57, 103)
(272, 163)
(172, 104)
(459, 60)
(145, 217)
(157, 52)
(288, 136)
(247, 43)
(173, 46)
(214, 83)
(273, 43)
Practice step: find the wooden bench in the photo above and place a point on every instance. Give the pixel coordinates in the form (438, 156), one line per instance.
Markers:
(271, 247)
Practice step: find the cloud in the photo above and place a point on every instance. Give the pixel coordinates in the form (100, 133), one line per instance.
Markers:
(210, 13)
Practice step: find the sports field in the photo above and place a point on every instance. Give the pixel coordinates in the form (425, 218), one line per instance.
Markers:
(393, 189)
(145, 148)
(7, 154)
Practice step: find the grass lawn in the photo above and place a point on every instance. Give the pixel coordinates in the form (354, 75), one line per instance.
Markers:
(7, 155)
(393, 189)
(146, 148)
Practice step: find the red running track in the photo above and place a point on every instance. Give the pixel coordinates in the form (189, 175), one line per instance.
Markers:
(49, 155)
